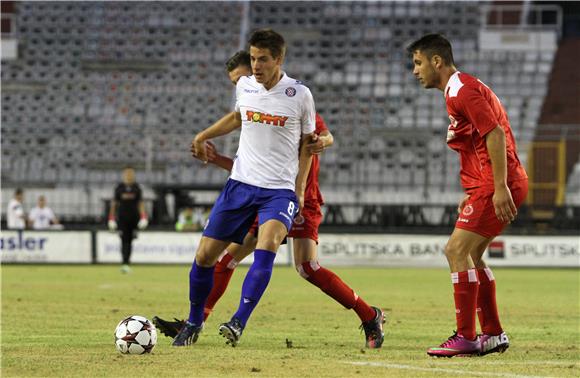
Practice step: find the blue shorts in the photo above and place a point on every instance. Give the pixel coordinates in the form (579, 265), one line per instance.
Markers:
(238, 204)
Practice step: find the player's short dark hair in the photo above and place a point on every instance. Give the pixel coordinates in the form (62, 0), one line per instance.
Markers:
(269, 39)
(241, 58)
(18, 191)
(433, 44)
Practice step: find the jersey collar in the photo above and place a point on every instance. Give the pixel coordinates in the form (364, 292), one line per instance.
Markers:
(263, 89)
(452, 78)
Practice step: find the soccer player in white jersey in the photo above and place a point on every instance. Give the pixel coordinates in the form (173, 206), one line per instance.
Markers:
(304, 233)
(15, 216)
(268, 179)
(42, 217)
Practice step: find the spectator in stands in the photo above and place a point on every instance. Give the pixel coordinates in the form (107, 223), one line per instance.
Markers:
(42, 217)
(127, 213)
(190, 220)
(16, 218)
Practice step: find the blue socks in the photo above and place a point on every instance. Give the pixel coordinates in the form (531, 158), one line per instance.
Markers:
(200, 284)
(255, 284)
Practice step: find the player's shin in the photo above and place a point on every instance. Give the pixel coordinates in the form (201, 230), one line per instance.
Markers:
(486, 304)
(333, 286)
(465, 288)
(255, 284)
(223, 272)
(200, 284)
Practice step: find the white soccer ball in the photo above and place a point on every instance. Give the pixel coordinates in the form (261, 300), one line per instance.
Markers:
(135, 335)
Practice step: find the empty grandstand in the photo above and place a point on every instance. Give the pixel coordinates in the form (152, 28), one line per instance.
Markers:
(95, 86)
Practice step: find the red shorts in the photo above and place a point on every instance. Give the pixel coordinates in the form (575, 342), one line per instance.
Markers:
(306, 229)
(254, 229)
(478, 215)
(309, 220)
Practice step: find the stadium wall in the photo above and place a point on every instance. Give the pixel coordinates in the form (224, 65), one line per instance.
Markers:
(152, 247)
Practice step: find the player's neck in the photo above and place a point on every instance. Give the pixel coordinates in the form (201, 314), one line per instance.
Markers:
(445, 75)
(275, 79)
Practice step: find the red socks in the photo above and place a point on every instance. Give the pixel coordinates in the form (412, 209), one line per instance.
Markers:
(486, 304)
(334, 287)
(465, 287)
(221, 278)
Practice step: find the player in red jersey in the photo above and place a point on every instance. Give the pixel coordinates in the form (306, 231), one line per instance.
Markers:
(495, 185)
(304, 232)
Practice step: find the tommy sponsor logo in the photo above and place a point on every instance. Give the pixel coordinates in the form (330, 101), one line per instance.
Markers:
(268, 119)
(290, 91)
(468, 210)
(251, 90)
(464, 220)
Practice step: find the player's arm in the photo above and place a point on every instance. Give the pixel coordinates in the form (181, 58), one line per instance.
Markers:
(320, 142)
(143, 219)
(481, 116)
(304, 163)
(224, 126)
(214, 157)
(112, 223)
(505, 208)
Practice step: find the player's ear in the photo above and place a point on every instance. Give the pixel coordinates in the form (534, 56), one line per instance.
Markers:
(436, 61)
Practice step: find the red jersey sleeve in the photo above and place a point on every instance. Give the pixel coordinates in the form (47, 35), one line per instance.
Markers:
(476, 108)
(320, 125)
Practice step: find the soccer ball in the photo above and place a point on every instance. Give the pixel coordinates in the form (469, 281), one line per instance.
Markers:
(135, 335)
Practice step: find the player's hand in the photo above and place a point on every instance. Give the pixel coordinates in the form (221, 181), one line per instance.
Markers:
(210, 151)
(143, 223)
(316, 145)
(503, 203)
(462, 203)
(198, 149)
(300, 198)
(112, 224)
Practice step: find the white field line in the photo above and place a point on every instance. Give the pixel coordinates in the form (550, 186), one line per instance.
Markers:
(443, 370)
(539, 362)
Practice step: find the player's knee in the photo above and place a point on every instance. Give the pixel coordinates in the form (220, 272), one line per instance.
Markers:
(479, 263)
(203, 257)
(272, 243)
(455, 249)
(300, 271)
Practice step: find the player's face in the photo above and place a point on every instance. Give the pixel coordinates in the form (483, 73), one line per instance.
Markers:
(424, 71)
(41, 202)
(239, 71)
(128, 176)
(266, 68)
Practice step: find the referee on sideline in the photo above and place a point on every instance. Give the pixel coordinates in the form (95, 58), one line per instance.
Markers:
(127, 213)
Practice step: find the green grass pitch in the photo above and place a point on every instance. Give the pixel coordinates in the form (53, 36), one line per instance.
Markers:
(58, 321)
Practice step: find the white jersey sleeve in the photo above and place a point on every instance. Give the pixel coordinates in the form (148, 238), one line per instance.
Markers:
(308, 119)
(238, 90)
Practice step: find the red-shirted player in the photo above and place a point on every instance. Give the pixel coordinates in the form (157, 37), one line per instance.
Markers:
(304, 233)
(495, 184)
